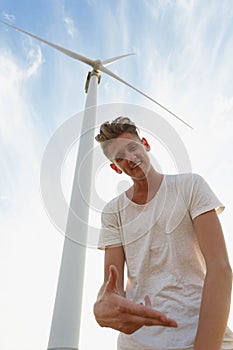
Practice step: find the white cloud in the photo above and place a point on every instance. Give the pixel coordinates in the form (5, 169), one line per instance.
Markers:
(19, 143)
(35, 60)
(9, 17)
(70, 26)
(157, 8)
(91, 2)
(223, 104)
(26, 234)
(187, 5)
(4, 198)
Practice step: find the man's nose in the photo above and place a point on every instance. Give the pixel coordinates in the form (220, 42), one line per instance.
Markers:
(130, 156)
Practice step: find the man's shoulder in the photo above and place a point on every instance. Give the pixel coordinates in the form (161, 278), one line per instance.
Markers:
(184, 183)
(183, 178)
(113, 204)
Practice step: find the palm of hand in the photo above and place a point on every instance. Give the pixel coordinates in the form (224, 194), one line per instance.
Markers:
(115, 311)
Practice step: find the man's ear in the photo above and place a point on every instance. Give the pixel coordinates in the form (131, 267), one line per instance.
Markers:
(146, 144)
(115, 168)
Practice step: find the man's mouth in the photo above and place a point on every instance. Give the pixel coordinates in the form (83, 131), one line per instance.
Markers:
(136, 165)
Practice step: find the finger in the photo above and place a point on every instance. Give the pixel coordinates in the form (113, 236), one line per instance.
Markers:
(137, 322)
(172, 323)
(167, 323)
(112, 280)
(147, 313)
(140, 310)
(147, 301)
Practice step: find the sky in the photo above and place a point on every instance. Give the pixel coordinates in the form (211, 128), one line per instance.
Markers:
(183, 59)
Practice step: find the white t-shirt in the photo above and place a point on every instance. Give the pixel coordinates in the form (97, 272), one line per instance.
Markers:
(163, 258)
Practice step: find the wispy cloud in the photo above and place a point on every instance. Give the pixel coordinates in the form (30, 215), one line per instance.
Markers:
(8, 17)
(70, 26)
(24, 225)
(19, 138)
(4, 198)
(157, 8)
(35, 60)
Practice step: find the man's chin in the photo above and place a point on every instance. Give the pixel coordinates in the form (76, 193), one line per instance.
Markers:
(137, 176)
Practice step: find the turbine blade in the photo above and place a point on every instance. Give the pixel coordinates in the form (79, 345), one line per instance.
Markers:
(111, 74)
(57, 47)
(113, 59)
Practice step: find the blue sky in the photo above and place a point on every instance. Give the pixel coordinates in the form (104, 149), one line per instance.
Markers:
(183, 59)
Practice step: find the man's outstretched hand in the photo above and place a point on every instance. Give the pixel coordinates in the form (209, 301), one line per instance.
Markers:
(115, 311)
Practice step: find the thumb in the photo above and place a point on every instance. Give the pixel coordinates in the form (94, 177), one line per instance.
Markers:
(111, 285)
(147, 301)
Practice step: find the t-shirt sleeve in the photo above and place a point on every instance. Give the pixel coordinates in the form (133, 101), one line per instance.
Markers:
(202, 198)
(110, 228)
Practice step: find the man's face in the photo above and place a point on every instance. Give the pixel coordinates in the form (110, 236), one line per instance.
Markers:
(128, 154)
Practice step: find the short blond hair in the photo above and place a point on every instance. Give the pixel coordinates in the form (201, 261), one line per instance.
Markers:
(111, 130)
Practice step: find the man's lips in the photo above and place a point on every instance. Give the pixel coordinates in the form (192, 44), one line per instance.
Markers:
(136, 165)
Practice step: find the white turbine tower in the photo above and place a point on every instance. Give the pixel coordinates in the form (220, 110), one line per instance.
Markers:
(64, 333)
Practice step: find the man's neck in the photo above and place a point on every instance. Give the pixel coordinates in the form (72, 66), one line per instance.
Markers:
(145, 189)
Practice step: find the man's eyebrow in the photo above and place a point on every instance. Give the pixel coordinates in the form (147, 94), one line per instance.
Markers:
(119, 153)
(115, 154)
(132, 143)
(129, 144)
(126, 145)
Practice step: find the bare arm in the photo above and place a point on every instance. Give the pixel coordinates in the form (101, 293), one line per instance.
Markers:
(113, 310)
(114, 256)
(216, 295)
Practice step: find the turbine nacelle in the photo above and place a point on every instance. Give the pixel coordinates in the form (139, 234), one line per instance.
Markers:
(97, 64)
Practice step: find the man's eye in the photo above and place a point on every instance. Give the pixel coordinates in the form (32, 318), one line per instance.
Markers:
(133, 148)
(119, 157)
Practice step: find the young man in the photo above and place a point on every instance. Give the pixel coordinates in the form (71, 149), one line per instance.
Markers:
(166, 230)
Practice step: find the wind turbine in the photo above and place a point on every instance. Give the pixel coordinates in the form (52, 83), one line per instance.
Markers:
(65, 328)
